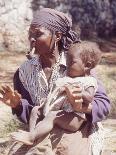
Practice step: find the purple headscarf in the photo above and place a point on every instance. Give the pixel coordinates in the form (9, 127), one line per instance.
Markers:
(56, 21)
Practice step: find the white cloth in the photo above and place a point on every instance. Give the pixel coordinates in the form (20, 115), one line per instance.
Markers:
(96, 139)
(57, 100)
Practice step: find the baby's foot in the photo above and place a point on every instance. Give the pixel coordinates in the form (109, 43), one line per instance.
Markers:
(23, 136)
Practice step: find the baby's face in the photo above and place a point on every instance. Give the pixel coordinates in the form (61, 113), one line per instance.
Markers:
(75, 65)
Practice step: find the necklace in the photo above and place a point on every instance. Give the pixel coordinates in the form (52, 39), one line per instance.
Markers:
(55, 73)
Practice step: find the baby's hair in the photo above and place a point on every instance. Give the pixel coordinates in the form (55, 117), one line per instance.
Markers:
(88, 51)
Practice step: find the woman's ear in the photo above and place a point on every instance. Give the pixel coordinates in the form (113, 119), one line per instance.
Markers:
(58, 36)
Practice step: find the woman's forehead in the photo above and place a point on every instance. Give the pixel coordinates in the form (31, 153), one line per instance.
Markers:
(35, 28)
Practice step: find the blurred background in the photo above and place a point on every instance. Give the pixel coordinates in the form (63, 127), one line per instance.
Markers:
(92, 18)
(95, 20)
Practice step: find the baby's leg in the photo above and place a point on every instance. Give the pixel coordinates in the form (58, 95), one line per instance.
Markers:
(69, 121)
(45, 126)
(42, 128)
(22, 136)
(35, 116)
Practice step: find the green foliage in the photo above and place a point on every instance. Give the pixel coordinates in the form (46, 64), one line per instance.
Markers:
(9, 127)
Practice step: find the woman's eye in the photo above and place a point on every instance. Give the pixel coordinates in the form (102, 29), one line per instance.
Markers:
(39, 34)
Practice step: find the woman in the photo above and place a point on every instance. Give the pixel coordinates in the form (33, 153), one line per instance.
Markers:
(50, 36)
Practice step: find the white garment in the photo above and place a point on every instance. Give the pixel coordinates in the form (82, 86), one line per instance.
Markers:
(57, 100)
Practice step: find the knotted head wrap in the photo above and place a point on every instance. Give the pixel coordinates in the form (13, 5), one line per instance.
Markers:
(56, 21)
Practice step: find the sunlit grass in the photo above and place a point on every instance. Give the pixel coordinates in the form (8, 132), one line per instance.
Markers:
(107, 73)
(9, 127)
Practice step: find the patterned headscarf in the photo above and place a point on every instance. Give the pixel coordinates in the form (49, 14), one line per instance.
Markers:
(56, 21)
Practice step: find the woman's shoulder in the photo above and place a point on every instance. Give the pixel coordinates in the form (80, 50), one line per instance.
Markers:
(34, 61)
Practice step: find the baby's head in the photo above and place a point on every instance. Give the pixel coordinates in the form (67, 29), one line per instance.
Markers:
(81, 58)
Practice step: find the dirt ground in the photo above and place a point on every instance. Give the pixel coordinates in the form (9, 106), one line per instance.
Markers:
(9, 62)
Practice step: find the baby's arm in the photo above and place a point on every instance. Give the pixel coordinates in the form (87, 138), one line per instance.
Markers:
(88, 95)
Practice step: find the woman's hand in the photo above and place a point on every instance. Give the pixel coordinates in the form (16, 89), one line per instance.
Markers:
(74, 93)
(9, 96)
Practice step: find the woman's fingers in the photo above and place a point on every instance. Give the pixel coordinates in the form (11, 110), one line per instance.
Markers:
(4, 101)
(77, 96)
(5, 89)
(1, 99)
(9, 89)
(73, 88)
(74, 91)
(79, 101)
(10, 97)
(15, 99)
(16, 94)
(2, 91)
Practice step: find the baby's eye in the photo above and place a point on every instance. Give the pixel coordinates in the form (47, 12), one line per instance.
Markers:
(73, 62)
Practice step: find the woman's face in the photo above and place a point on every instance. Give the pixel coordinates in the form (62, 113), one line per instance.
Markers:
(41, 39)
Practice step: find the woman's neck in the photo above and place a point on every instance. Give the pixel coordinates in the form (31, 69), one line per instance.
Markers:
(49, 61)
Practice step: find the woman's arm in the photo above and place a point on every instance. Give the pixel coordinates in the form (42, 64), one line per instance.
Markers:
(24, 108)
(88, 95)
(101, 105)
(97, 110)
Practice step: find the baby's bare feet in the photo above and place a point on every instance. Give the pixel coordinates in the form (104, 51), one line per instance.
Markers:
(23, 136)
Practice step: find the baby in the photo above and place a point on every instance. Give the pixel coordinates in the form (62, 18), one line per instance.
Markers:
(81, 58)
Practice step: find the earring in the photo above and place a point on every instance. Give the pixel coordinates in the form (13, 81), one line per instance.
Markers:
(55, 46)
(30, 54)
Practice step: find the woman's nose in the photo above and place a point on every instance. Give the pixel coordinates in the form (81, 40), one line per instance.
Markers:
(32, 42)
